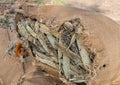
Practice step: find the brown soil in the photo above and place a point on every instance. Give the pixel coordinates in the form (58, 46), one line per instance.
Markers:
(104, 39)
(108, 8)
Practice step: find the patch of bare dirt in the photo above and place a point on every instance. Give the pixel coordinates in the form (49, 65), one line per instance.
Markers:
(108, 8)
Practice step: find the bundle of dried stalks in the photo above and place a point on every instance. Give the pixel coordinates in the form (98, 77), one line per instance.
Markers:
(60, 48)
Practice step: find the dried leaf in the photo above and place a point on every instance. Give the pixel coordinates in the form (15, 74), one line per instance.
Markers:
(60, 58)
(66, 66)
(50, 70)
(29, 29)
(45, 60)
(84, 54)
(46, 30)
(37, 27)
(52, 40)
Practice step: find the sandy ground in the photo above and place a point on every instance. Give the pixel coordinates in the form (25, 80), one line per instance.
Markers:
(108, 8)
(8, 67)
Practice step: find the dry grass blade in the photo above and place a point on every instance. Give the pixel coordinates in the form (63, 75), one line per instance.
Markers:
(72, 40)
(22, 30)
(29, 29)
(52, 40)
(46, 61)
(37, 27)
(48, 69)
(84, 55)
(66, 66)
(47, 30)
(67, 52)
(60, 53)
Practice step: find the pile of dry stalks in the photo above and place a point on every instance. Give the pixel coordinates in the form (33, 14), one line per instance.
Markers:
(58, 48)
